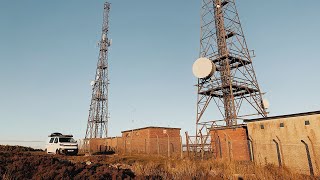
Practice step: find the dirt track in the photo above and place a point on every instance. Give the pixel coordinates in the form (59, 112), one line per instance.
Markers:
(25, 163)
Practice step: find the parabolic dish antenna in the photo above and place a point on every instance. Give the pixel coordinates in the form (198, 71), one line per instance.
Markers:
(110, 42)
(92, 83)
(266, 103)
(203, 68)
(104, 37)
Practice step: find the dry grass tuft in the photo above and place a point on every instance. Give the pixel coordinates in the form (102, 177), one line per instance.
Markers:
(211, 169)
(159, 167)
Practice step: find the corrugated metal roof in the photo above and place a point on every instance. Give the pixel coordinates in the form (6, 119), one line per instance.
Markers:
(149, 127)
(283, 116)
(229, 127)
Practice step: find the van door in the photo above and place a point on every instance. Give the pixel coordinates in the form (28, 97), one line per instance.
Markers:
(55, 144)
(49, 145)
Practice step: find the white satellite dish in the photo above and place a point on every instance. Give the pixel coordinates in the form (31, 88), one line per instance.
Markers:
(104, 37)
(203, 68)
(266, 103)
(92, 83)
(98, 76)
(110, 42)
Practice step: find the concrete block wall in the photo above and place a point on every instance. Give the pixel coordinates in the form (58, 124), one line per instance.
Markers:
(295, 145)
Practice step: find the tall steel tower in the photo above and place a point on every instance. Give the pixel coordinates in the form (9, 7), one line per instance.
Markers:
(226, 77)
(98, 113)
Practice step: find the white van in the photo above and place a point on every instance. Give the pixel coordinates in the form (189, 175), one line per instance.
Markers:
(61, 144)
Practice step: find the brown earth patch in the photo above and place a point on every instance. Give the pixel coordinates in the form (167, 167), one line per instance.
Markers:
(26, 163)
(22, 163)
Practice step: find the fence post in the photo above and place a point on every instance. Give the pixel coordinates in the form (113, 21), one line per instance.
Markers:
(187, 143)
(125, 145)
(158, 149)
(145, 146)
(131, 142)
(181, 150)
(309, 158)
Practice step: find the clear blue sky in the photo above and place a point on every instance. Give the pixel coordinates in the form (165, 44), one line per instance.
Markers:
(48, 55)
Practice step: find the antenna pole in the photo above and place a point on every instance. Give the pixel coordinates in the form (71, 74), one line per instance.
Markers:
(97, 126)
(233, 87)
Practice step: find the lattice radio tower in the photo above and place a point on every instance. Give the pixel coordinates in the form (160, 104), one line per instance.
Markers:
(226, 77)
(98, 113)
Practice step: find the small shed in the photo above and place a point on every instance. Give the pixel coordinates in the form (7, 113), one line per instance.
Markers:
(152, 140)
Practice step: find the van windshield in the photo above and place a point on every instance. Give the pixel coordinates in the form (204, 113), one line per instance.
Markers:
(67, 140)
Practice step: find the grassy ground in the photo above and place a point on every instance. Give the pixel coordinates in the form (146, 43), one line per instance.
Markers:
(21, 163)
(176, 168)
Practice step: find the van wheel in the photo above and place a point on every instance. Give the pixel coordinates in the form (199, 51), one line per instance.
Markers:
(57, 152)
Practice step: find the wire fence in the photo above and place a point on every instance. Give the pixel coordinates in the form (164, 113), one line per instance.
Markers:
(171, 146)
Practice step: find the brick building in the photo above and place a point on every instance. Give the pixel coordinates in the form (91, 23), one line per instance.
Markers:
(230, 143)
(147, 140)
(289, 140)
(152, 140)
(101, 144)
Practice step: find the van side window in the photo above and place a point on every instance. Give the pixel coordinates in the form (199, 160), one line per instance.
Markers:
(56, 140)
(51, 140)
